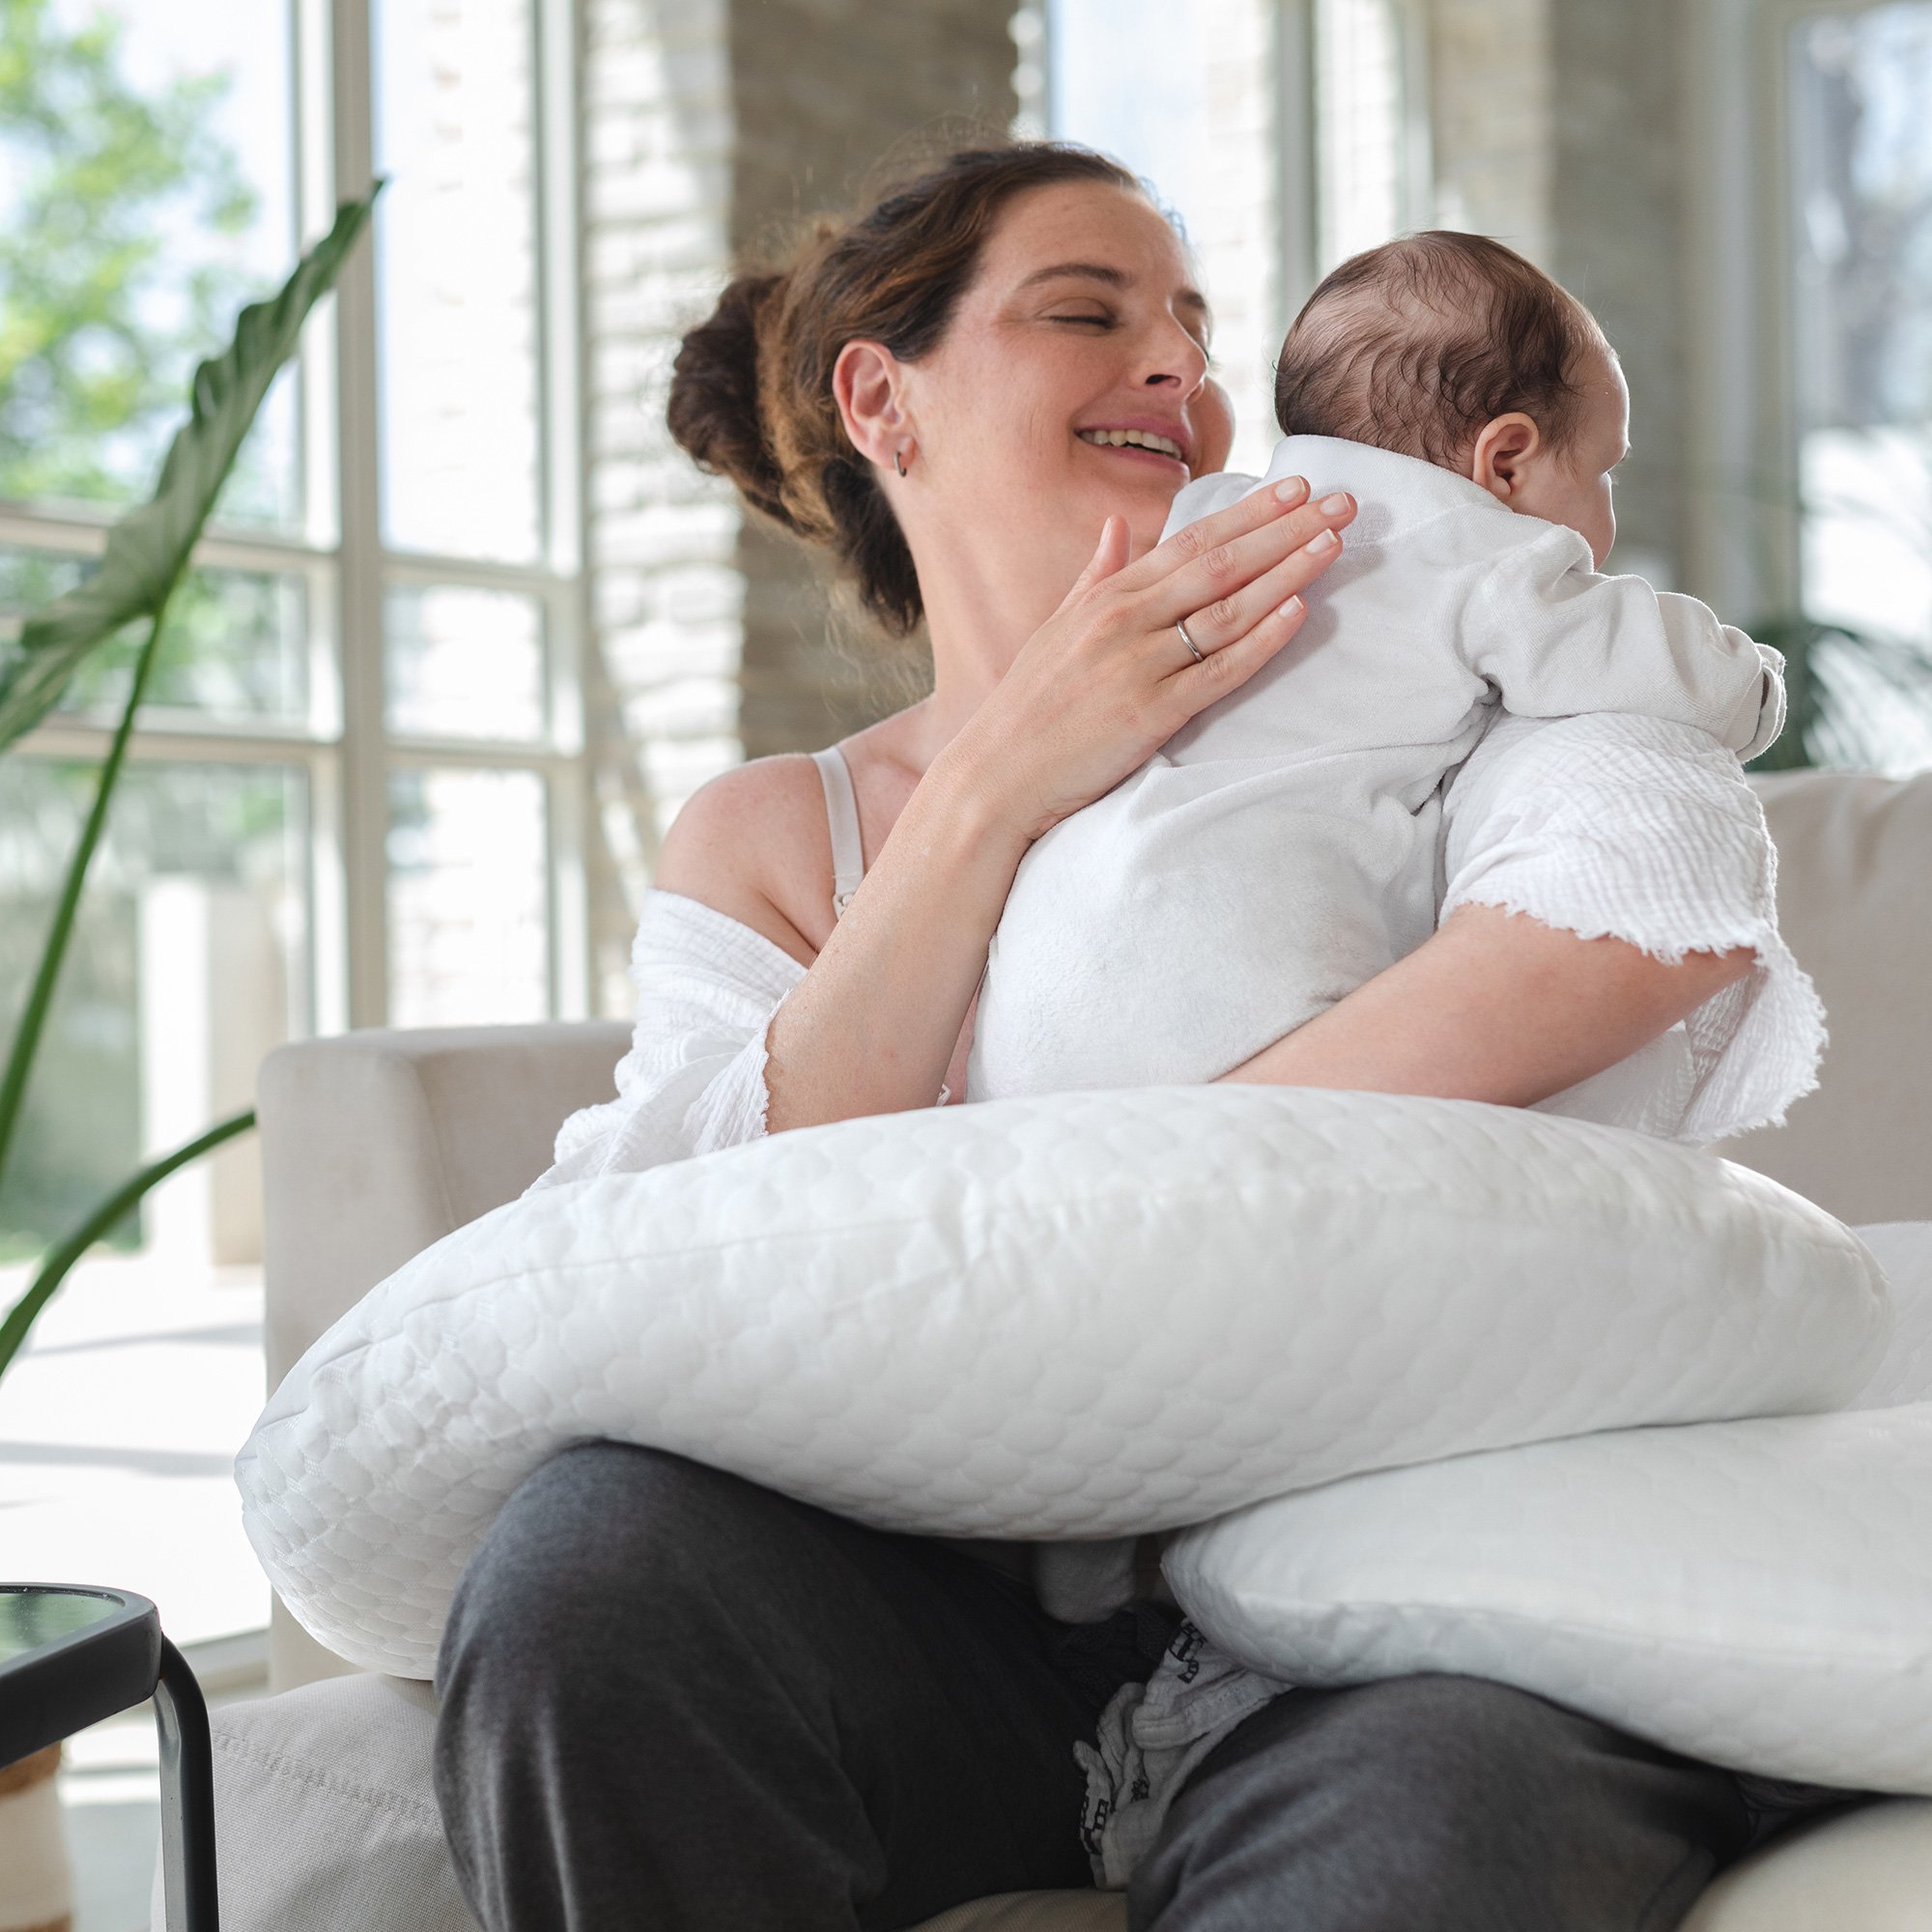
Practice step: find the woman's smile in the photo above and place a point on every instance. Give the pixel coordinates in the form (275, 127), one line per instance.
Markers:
(1141, 441)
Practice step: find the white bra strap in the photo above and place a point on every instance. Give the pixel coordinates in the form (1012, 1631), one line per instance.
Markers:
(842, 816)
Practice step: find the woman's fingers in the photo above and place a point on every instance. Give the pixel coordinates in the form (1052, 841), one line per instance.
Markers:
(1252, 512)
(1110, 554)
(1234, 616)
(1203, 587)
(1196, 686)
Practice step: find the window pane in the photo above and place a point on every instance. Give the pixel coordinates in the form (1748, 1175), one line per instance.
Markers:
(146, 192)
(1861, 199)
(236, 644)
(188, 963)
(1360, 111)
(466, 662)
(456, 276)
(1193, 114)
(468, 926)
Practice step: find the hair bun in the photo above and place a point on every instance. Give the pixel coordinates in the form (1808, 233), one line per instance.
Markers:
(714, 411)
(752, 390)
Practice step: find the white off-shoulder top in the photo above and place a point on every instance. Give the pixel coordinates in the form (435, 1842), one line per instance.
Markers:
(1603, 825)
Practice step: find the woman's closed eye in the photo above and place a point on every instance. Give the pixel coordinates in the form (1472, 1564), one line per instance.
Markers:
(1109, 322)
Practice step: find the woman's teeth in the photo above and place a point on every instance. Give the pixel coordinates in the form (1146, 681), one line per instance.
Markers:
(1135, 438)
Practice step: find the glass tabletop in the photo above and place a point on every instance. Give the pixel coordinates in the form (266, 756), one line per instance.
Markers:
(31, 1618)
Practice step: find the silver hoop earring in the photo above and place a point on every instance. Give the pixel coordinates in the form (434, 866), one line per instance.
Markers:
(898, 461)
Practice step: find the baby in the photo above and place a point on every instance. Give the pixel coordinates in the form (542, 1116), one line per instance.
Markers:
(1281, 848)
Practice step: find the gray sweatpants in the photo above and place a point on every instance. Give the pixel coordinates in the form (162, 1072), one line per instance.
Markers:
(675, 1701)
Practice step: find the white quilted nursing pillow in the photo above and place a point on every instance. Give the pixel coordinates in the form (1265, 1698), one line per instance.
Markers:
(1078, 1315)
(1753, 1594)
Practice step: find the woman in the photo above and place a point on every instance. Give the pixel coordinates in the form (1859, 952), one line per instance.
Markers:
(672, 1698)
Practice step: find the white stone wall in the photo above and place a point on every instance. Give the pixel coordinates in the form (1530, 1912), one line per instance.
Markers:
(1556, 127)
(1618, 156)
(711, 128)
(1490, 105)
(666, 601)
(1236, 230)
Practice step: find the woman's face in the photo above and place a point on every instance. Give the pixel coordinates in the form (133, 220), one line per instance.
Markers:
(1072, 382)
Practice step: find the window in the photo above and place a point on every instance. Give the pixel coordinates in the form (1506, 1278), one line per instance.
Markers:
(353, 796)
(1812, 222)
(1285, 134)
(1858, 179)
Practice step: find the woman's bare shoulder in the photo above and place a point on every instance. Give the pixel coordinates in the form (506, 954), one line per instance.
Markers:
(754, 844)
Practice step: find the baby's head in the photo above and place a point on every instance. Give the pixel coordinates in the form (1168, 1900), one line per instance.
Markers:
(1454, 349)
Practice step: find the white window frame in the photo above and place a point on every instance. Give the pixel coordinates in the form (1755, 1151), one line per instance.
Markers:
(344, 747)
(1302, 256)
(1744, 544)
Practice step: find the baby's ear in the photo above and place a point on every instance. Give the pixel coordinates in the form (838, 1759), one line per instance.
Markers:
(1505, 448)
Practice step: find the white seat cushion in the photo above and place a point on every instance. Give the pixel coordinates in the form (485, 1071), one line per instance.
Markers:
(325, 1820)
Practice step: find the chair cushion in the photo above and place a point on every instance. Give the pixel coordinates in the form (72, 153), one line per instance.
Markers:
(323, 1814)
(325, 1819)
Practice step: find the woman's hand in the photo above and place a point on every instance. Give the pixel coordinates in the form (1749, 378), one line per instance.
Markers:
(1107, 680)
(1495, 1007)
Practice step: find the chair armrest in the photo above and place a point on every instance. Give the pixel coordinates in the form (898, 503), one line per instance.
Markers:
(1854, 856)
(375, 1144)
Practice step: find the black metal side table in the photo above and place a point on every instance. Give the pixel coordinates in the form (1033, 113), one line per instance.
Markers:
(70, 1656)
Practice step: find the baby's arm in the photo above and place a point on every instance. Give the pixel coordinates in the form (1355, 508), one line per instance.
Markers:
(1558, 640)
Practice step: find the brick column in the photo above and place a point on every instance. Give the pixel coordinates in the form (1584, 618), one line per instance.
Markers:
(1556, 127)
(711, 126)
(1616, 223)
(1489, 118)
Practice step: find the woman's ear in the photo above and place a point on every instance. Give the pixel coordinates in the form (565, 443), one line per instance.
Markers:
(1506, 448)
(868, 385)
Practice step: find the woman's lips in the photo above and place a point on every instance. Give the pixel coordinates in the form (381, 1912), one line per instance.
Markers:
(1136, 452)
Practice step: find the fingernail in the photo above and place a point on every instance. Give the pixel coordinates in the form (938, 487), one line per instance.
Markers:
(1334, 505)
(1292, 490)
(1320, 545)
(1292, 609)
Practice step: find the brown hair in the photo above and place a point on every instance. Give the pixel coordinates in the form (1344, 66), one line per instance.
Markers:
(751, 394)
(1415, 345)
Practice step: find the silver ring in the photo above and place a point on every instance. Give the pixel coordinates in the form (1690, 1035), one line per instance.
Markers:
(1189, 641)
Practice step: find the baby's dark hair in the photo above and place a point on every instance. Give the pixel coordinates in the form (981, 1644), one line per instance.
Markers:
(1415, 345)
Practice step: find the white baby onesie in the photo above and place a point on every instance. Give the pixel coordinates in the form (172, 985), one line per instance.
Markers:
(1281, 848)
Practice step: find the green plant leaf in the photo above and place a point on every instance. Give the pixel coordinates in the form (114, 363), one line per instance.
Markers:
(26, 1043)
(54, 1271)
(1832, 674)
(149, 548)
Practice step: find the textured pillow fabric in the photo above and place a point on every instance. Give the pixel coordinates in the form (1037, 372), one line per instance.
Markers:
(1903, 1372)
(1757, 1594)
(1084, 1315)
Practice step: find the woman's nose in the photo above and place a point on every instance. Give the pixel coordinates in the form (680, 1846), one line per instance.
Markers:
(1181, 364)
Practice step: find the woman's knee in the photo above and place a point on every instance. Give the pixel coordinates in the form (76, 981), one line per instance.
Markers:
(604, 1540)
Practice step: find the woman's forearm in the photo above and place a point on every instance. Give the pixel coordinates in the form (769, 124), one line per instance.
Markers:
(1495, 1007)
(872, 1027)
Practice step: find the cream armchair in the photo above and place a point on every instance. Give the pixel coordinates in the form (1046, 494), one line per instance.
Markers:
(377, 1144)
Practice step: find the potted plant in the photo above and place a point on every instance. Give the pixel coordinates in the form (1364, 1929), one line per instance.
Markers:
(146, 557)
